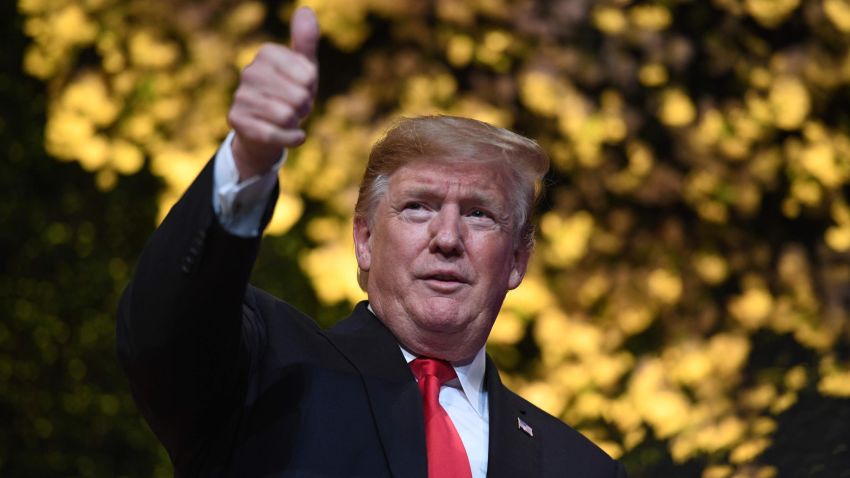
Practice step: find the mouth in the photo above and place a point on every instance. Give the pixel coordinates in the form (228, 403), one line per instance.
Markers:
(444, 281)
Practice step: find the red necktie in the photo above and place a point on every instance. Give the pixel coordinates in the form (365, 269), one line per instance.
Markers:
(446, 454)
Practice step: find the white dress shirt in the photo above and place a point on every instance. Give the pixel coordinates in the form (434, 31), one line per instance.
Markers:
(240, 206)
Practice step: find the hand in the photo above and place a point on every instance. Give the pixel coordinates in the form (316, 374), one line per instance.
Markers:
(275, 93)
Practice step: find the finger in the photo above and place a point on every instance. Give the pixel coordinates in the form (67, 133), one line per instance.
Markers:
(271, 110)
(276, 90)
(305, 33)
(258, 132)
(277, 60)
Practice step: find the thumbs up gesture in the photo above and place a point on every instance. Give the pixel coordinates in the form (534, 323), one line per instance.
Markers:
(275, 93)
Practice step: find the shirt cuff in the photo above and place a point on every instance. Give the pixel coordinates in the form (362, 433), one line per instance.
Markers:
(240, 205)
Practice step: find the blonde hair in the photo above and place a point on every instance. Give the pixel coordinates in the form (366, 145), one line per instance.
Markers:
(456, 140)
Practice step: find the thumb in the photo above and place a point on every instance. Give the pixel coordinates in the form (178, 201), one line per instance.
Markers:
(305, 33)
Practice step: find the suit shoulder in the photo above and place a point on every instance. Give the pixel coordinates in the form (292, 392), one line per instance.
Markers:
(564, 447)
(258, 302)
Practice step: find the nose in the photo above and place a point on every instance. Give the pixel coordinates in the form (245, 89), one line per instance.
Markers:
(446, 230)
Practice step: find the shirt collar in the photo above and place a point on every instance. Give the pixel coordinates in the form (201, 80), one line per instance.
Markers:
(469, 374)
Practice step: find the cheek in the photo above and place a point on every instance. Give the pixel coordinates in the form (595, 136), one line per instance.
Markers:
(497, 262)
(394, 253)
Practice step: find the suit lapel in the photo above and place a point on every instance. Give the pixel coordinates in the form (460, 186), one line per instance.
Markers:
(513, 451)
(393, 395)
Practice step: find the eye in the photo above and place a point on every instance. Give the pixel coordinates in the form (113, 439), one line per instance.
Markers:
(480, 213)
(415, 211)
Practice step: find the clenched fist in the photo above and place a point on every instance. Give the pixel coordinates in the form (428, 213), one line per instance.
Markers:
(275, 93)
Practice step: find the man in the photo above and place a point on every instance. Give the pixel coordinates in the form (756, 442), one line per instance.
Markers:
(237, 383)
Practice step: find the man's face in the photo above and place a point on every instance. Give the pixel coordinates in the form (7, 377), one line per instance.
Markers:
(441, 255)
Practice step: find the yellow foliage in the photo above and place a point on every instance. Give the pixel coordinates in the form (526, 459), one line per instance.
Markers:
(607, 370)
(64, 133)
(651, 17)
(148, 51)
(838, 238)
(105, 179)
(566, 238)
(126, 157)
(717, 471)
(493, 49)
(93, 153)
(633, 320)
(508, 328)
(835, 379)
(610, 20)
(665, 409)
(728, 353)
(571, 377)
(764, 426)
(752, 307)
(653, 74)
(665, 286)
(246, 17)
(795, 378)
(712, 268)
(676, 108)
(332, 269)
(71, 25)
(838, 12)
(593, 289)
(785, 401)
(688, 365)
(789, 101)
(460, 49)
(771, 13)
(749, 450)
(540, 93)
(819, 160)
(530, 297)
(720, 435)
(544, 396)
(760, 397)
(288, 210)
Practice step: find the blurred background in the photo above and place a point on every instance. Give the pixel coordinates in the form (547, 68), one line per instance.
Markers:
(688, 304)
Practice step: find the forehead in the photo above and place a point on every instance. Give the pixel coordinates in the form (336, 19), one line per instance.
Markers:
(490, 179)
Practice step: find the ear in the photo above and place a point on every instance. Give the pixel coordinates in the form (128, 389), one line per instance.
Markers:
(520, 265)
(362, 243)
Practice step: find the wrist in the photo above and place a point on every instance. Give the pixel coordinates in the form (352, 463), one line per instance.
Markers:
(253, 159)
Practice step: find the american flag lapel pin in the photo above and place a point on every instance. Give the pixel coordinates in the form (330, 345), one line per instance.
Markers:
(520, 423)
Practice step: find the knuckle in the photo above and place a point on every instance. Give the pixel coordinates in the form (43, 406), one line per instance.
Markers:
(284, 115)
(301, 98)
(238, 122)
(240, 96)
(312, 73)
(250, 74)
(265, 50)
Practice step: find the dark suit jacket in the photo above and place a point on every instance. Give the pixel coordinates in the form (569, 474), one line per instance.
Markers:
(235, 382)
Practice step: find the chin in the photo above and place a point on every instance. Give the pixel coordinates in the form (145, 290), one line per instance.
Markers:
(442, 314)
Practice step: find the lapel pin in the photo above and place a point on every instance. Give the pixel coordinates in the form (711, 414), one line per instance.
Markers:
(524, 427)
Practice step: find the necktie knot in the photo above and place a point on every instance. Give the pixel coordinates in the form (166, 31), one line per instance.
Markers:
(427, 367)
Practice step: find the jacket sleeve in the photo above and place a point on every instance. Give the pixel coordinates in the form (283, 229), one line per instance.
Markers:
(181, 335)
